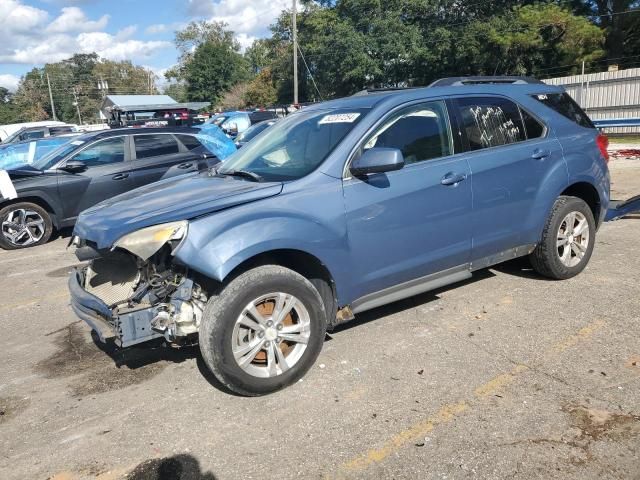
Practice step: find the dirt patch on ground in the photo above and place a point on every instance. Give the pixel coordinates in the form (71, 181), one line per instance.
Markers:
(178, 467)
(597, 424)
(94, 370)
(11, 407)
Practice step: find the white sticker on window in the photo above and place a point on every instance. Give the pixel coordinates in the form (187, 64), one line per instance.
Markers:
(339, 118)
(77, 142)
(7, 190)
(542, 97)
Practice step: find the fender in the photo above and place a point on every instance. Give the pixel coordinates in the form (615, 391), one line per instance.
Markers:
(216, 244)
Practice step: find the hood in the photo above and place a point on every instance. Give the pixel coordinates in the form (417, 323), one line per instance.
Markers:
(24, 171)
(169, 200)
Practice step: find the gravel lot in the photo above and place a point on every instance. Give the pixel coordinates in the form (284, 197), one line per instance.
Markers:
(503, 376)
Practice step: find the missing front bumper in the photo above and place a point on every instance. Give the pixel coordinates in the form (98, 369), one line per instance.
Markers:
(131, 325)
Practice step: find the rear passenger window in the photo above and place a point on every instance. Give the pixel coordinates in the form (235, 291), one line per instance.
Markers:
(155, 145)
(490, 122)
(189, 141)
(533, 127)
(420, 132)
(565, 106)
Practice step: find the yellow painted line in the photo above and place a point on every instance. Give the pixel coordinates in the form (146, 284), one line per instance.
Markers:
(449, 412)
(444, 415)
(25, 303)
(582, 335)
(499, 382)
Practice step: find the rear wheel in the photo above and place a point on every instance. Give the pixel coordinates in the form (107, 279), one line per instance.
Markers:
(567, 241)
(24, 225)
(263, 331)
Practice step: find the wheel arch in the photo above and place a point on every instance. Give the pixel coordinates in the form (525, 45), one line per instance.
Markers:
(589, 194)
(41, 202)
(301, 262)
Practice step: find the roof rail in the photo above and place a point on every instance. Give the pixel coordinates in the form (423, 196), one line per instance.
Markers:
(478, 80)
(367, 91)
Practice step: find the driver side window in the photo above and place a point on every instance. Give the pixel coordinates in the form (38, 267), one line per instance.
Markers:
(420, 132)
(103, 152)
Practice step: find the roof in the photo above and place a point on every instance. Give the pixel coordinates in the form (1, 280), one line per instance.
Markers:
(400, 96)
(137, 100)
(145, 103)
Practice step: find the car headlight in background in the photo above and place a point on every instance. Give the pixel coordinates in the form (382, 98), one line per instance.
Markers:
(147, 241)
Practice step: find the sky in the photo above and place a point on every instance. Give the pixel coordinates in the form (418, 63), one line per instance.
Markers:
(35, 32)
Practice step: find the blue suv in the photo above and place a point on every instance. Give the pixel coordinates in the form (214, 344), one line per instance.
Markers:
(340, 208)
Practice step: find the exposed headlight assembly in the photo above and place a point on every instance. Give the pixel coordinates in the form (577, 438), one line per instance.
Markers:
(145, 242)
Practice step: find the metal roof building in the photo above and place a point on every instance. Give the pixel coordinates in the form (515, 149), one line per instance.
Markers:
(141, 103)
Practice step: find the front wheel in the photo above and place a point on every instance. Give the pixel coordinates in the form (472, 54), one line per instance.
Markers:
(263, 331)
(24, 225)
(567, 240)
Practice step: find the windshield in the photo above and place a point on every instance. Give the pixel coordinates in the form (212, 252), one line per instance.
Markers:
(295, 146)
(217, 120)
(26, 153)
(53, 157)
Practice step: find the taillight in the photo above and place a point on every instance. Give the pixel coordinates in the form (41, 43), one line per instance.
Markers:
(603, 144)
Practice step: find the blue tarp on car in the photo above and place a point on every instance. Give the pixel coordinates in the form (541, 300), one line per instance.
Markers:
(216, 141)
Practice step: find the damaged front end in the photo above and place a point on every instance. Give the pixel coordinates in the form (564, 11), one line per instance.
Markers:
(135, 292)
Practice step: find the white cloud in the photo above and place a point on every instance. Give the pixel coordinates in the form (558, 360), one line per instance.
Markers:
(156, 28)
(251, 19)
(9, 81)
(29, 36)
(72, 19)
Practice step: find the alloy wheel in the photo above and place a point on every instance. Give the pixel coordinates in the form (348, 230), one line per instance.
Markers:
(271, 334)
(573, 239)
(22, 227)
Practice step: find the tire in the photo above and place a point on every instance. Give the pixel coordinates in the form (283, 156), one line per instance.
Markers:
(557, 256)
(27, 223)
(221, 333)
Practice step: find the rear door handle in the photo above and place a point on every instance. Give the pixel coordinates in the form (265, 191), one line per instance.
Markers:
(452, 179)
(540, 154)
(120, 176)
(184, 166)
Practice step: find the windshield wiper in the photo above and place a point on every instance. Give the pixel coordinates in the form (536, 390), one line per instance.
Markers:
(242, 173)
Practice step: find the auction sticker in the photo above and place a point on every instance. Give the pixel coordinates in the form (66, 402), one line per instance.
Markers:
(339, 118)
(7, 190)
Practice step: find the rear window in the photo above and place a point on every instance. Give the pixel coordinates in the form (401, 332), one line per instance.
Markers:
(189, 141)
(155, 145)
(565, 106)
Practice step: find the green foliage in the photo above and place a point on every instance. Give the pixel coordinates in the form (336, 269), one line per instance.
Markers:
(261, 91)
(214, 68)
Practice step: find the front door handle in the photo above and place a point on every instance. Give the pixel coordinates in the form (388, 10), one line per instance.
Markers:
(184, 166)
(120, 176)
(540, 154)
(452, 179)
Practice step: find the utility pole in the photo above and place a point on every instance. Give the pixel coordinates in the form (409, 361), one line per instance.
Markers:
(53, 107)
(75, 96)
(295, 53)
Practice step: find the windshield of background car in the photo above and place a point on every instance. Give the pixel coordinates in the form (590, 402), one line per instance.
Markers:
(217, 120)
(295, 146)
(53, 157)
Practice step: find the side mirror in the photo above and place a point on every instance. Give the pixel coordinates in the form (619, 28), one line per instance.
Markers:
(377, 160)
(74, 166)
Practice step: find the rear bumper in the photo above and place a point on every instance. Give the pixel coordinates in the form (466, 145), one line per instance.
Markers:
(90, 308)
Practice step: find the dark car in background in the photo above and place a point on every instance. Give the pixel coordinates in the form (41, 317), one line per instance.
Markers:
(50, 193)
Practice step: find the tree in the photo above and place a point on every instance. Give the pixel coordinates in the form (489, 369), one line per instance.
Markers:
(261, 91)
(7, 109)
(233, 99)
(214, 69)
(176, 90)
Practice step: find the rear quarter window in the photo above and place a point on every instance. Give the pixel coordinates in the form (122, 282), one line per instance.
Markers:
(563, 104)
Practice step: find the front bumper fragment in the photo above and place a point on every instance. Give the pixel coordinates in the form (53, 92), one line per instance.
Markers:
(90, 308)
